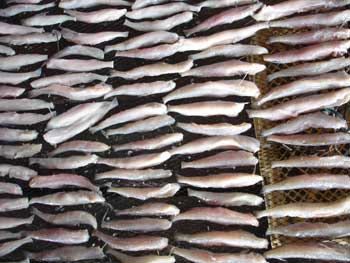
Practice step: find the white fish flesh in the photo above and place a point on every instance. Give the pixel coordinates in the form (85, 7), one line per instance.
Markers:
(311, 68)
(226, 199)
(134, 175)
(6, 50)
(46, 20)
(91, 38)
(226, 17)
(227, 159)
(78, 65)
(138, 225)
(14, 118)
(17, 135)
(146, 193)
(317, 51)
(10, 188)
(59, 235)
(224, 3)
(123, 258)
(208, 108)
(69, 218)
(144, 40)
(68, 198)
(80, 146)
(10, 91)
(335, 161)
(152, 70)
(307, 121)
(17, 78)
(225, 69)
(74, 4)
(217, 215)
(143, 3)
(71, 162)
(133, 114)
(17, 61)
(217, 129)
(238, 238)
(150, 209)
(24, 8)
(149, 124)
(24, 105)
(295, 107)
(12, 29)
(19, 151)
(103, 15)
(69, 79)
(81, 51)
(12, 222)
(13, 204)
(10, 246)
(31, 38)
(16, 172)
(308, 210)
(161, 24)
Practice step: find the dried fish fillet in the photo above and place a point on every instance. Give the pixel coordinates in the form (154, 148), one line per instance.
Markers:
(71, 162)
(134, 175)
(74, 4)
(150, 209)
(10, 188)
(10, 246)
(59, 235)
(143, 3)
(10, 91)
(13, 204)
(14, 63)
(46, 20)
(224, 3)
(12, 29)
(99, 16)
(81, 51)
(24, 8)
(123, 258)
(6, 50)
(16, 172)
(335, 161)
(19, 151)
(17, 135)
(80, 146)
(12, 222)
(14, 118)
(17, 78)
(138, 225)
(78, 65)
(8, 235)
(31, 38)
(217, 129)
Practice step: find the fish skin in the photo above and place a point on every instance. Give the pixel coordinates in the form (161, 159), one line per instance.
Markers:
(71, 162)
(144, 125)
(145, 193)
(217, 143)
(80, 146)
(227, 199)
(17, 78)
(208, 108)
(134, 175)
(78, 65)
(218, 89)
(205, 256)
(80, 50)
(224, 3)
(12, 29)
(222, 180)
(59, 235)
(31, 38)
(334, 48)
(12, 222)
(227, 68)
(217, 215)
(150, 209)
(123, 258)
(311, 250)
(80, 197)
(144, 40)
(136, 243)
(92, 17)
(17, 135)
(227, 159)
(10, 188)
(6, 50)
(295, 107)
(238, 238)
(306, 121)
(24, 8)
(13, 204)
(327, 162)
(161, 24)
(46, 20)
(19, 151)
(217, 129)
(74, 4)
(69, 218)
(226, 17)
(14, 63)
(14, 118)
(152, 70)
(138, 225)
(10, 246)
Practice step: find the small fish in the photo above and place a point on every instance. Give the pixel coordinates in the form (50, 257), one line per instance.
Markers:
(224, 3)
(13, 204)
(59, 235)
(227, 159)
(308, 210)
(80, 146)
(295, 107)
(10, 246)
(78, 65)
(161, 24)
(31, 38)
(144, 40)
(16, 172)
(227, 199)
(17, 135)
(24, 8)
(222, 180)
(81, 51)
(46, 20)
(327, 162)
(145, 193)
(123, 258)
(153, 70)
(10, 188)
(19, 151)
(74, 4)
(145, 125)
(8, 235)
(208, 108)
(238, 238)
(17, 78)
(138, 225)
(69, 218)
(71, 162)
(217, 129)
(99, 16)
(134, 175)
(68, 198)
(12, 29)
(12, 222)
(6, 50)
(14, 118)
(217, 215)
(150, 209)
(14, 63)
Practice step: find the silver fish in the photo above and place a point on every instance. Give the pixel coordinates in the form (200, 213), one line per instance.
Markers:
(69, 218)
(68, 198)
(143, 3)
(59, 235)
(123, 258)
(227, 159)
(17, 78)
(19, 151)
(149, 144)
(226, 199)
(222, 180)
(133, 114)
(91, 38)
(12, 29)
(224, 3)
(10, 91)
(152, 70)
(150, 209)
(134, 175)
(334, 48)
(149, 124)
(13, 204)
(14, 118)
(335, 161)
(31, 38)
(208, 108)
(78, 65)
(146, 193)
(80, 146)
(205, 256)
(71, 162)
(6, 50)
(217, 129)
(17, 135)
(16, 172)
(46, 20)
(17, 61)
(135, 243)
(217, 215)
(10, 188)
(12, 222)
(24, 8)
(103, 15)
(74, 4)
(161, 24)
(80, 50)
(143, 224)
(295, 107)
(10, 246)
(226, 17)
(238, 238)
